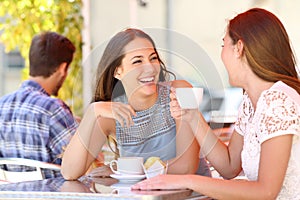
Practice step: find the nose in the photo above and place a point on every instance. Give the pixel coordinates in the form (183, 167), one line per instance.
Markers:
(150, 67)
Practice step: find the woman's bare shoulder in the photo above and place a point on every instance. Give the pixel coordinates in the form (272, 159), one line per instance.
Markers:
(180, 83)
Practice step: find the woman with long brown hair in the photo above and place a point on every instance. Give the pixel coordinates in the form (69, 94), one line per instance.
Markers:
(131, 103)
(266, 141)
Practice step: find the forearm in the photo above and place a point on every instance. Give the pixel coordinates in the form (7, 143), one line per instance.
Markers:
(86, 144)
(187, 150)
(76, 160)
(186, 162)
(230, 189)
(216, 152)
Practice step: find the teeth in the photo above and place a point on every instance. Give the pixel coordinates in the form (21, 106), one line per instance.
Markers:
(147, 79)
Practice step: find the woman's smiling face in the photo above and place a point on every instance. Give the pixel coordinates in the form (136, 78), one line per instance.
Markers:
(139, 71)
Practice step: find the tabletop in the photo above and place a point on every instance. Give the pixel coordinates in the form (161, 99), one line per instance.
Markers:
(88, 188)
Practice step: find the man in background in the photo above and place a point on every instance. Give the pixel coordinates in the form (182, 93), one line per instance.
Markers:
(33, 124)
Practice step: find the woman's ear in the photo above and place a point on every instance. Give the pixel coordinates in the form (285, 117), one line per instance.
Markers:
(239, 48)
(118, 72)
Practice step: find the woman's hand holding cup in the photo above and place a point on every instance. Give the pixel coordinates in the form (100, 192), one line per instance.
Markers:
(185, 100)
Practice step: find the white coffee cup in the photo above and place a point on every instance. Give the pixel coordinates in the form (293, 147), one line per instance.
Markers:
(189, 98)
(128, 165)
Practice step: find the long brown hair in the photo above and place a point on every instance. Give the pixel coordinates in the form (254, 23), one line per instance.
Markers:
(266, 46)
(107, 85)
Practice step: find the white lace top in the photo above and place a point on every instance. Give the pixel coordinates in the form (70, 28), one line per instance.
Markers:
(277, 113)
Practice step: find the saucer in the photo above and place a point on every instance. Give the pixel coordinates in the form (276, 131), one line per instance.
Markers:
(122, 185)
(128, 177)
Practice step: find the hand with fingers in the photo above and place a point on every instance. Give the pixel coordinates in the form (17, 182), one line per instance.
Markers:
(176, 111)
(116, 110)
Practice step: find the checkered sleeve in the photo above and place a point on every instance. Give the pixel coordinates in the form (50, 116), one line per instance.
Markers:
(62, 126)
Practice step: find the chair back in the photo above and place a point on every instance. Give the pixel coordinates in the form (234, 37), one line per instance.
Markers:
(16, 176)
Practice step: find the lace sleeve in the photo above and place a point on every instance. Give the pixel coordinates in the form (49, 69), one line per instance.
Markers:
(279, 115)
(244, 113)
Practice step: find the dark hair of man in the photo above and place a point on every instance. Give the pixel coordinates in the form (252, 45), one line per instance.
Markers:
(107, 86)
(266, 46)
(47, 51)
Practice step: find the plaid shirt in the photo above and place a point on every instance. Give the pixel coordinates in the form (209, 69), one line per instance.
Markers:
(34, 125)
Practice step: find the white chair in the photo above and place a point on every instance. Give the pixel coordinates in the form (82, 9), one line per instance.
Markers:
(12, 176)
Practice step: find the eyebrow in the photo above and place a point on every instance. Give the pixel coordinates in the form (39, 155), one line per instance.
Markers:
(142, 56)
(154, 53)
(136, 57)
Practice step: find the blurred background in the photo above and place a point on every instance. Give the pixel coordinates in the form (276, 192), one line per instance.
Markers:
(188, 34)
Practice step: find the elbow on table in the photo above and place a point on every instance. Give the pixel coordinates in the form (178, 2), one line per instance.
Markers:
(69, 174)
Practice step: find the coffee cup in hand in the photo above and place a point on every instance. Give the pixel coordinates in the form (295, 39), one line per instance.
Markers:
(189, 97)
(128, 165)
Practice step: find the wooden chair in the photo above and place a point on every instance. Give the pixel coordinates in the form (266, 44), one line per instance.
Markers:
(13, 176)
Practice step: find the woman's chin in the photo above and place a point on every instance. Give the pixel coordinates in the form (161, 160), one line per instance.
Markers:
(149, 88)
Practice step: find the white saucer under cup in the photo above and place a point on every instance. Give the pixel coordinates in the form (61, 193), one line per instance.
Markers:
(128, 178)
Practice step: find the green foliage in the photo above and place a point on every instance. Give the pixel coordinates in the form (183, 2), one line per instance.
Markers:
(22, 19)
